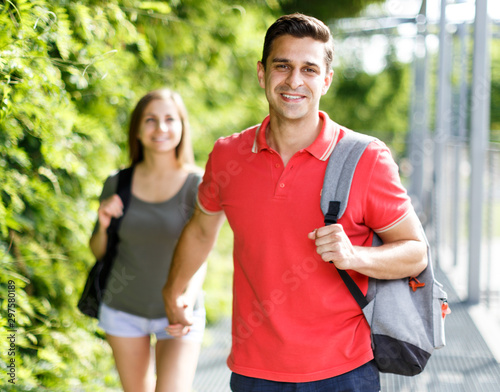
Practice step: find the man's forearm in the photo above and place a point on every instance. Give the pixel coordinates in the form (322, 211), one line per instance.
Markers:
(195, 285)
(403, 253)
(195, 243)
(189, 256)
(393, 261)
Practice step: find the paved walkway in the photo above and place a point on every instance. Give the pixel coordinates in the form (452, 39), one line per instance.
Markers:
(466, 364)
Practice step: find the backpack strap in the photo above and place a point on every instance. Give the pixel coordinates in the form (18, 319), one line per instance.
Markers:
(95, 285)
(340, 171)
(123, 190)
(336, 188)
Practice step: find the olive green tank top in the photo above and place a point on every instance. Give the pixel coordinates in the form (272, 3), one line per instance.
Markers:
(148, 234)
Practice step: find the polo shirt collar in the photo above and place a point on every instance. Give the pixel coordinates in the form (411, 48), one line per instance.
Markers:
(321, 148)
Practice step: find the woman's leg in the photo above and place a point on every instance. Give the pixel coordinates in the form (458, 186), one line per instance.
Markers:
(133, 361)
(176, 361)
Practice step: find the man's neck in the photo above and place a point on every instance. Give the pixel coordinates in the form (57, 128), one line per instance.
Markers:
(287, 137)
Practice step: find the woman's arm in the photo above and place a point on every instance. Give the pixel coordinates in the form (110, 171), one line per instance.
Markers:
(112, 207)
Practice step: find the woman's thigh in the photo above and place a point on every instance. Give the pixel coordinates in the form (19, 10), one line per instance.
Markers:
(176, 361)
(133, 362)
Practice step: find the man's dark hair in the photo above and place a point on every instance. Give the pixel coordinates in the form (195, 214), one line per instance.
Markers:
(299, 26)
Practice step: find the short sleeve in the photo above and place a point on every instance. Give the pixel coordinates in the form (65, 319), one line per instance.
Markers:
(209, 190)
(109, 187)
(387, 202)
(190, 192)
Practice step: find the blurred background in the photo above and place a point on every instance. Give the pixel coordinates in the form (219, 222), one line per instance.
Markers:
(423, 76)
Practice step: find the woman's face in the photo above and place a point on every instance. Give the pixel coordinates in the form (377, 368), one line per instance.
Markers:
(160, 129)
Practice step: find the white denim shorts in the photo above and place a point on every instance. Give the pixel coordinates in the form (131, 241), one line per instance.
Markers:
(122, 324)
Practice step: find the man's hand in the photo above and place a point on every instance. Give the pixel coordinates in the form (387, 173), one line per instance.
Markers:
(403, 253)
(179, 314)
(332, 244)
(187, 272)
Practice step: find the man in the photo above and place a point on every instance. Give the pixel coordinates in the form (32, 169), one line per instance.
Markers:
(295, 324)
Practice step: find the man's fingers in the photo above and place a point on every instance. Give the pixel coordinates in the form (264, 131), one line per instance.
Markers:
(312, 235)
(178, 330)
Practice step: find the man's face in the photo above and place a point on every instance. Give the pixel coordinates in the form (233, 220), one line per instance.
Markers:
(295, 77)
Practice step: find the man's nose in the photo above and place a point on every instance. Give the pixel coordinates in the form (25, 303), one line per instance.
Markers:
(294, 79)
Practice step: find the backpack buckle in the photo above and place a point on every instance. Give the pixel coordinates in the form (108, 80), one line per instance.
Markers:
(414, 283)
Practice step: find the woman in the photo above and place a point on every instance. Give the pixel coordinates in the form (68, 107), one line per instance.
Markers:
(163, 193)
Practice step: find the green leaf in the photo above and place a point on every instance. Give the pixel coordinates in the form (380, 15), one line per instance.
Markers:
(156, 6)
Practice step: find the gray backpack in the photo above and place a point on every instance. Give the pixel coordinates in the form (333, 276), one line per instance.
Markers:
(406, 316)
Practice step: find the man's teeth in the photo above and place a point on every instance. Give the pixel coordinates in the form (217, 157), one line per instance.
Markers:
(291, 96)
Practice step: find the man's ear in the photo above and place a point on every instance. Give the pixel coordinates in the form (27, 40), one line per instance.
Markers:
(328, 82)
(261, 74)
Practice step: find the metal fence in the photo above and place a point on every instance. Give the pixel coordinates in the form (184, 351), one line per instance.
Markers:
(450, 216)
(455, 178)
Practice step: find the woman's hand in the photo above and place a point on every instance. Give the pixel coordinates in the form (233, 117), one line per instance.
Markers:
(112, 207)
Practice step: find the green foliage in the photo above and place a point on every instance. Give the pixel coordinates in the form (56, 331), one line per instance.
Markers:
(327, 10)
(495, 91)
(372, 104)
(63, 85)
(219, 280)
(209, 53)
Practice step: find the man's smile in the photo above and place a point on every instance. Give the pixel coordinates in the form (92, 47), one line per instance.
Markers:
(292, 97)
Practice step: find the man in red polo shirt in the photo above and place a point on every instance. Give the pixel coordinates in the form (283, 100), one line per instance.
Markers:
(295, 325)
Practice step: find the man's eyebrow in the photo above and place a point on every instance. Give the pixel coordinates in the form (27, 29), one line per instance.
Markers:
(311, 64)
(285, 60)
(280, 60)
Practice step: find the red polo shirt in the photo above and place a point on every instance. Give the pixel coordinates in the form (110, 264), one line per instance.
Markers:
(293, 318)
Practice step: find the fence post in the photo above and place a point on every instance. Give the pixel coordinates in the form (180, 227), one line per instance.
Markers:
(460, 134)
(480, 120)
(419, 115)
(442, 130)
